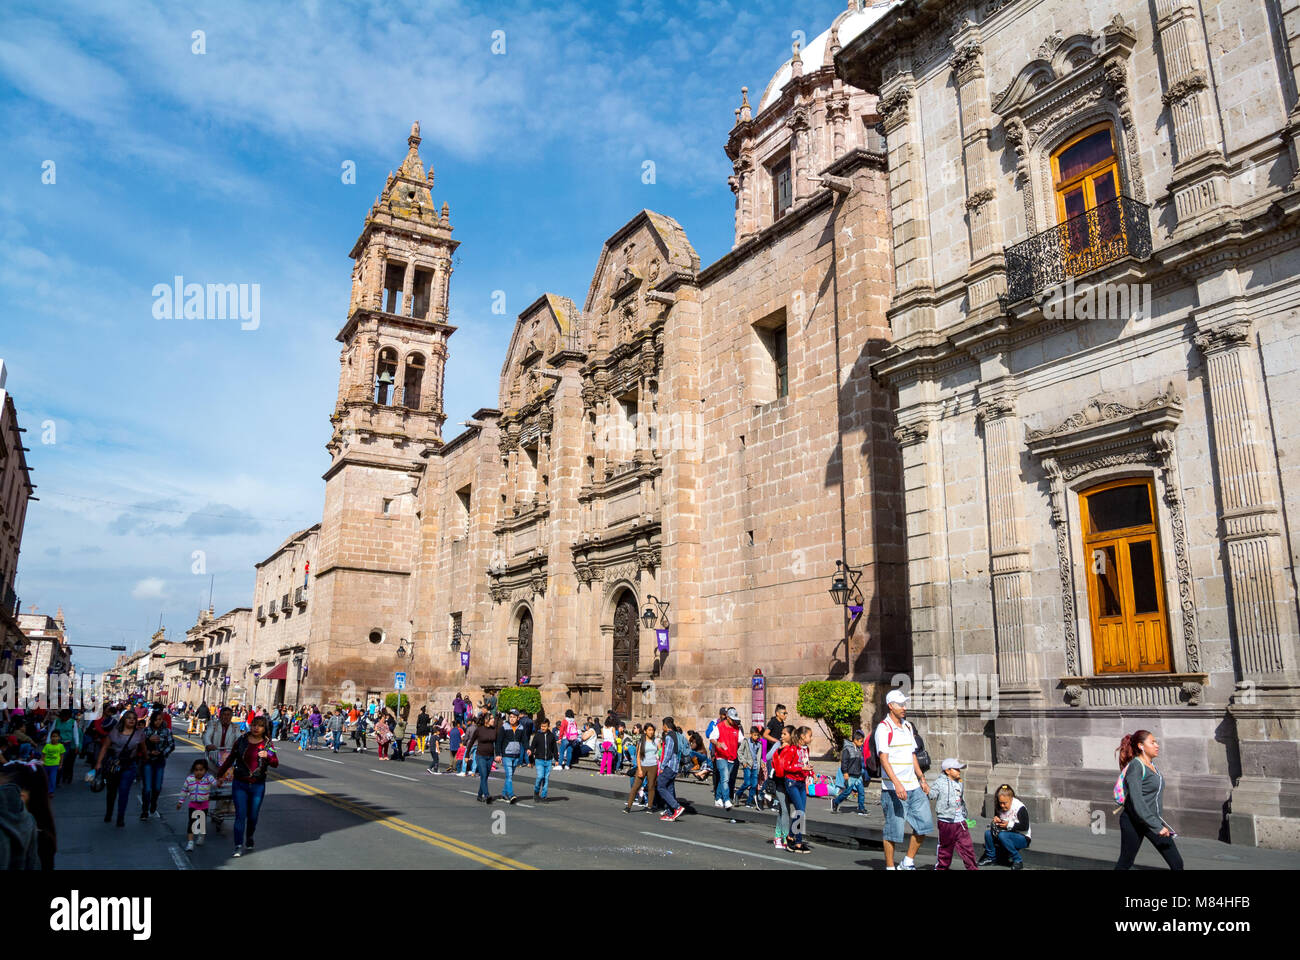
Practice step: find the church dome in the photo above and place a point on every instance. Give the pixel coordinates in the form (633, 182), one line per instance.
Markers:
(817, 54)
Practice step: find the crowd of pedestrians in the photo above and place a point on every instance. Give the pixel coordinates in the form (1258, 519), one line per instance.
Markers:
(767, 768)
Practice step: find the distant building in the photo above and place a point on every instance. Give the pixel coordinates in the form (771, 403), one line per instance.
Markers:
(16, 489)
(48, 661)
(216, 658)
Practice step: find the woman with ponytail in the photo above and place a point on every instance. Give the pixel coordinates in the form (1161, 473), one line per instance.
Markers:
(1140, 817)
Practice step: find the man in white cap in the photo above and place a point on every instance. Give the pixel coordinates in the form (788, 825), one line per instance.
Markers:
(904, 792)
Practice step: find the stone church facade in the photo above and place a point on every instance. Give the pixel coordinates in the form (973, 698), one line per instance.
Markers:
(1095, 349)
(705, 437)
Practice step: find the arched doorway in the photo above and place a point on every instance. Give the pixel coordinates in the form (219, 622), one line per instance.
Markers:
(524, 663)
(626, 636)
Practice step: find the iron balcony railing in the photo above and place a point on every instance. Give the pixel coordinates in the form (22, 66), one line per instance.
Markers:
(1116, 230)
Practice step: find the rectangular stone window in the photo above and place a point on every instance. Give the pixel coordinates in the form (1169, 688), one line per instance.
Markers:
(771, 380)
(461, 522)
(387, 507)
(455, 627)
(782, 189)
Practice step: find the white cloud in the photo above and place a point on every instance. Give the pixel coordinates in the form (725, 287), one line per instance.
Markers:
(150, 588)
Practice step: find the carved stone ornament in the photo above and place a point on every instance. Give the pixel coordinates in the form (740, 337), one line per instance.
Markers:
(995, 408)
(909, 433)
(1227, 337)
(964, 58)
(1185, 88)
(893, 108)
(1103, 435)
(1099, 411)
(979, 198)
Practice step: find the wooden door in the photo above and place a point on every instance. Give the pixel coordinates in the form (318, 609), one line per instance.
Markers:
(1125, 586)
(524, 667)
(626, 635)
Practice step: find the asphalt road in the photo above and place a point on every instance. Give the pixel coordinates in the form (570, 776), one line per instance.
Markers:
(338, 811)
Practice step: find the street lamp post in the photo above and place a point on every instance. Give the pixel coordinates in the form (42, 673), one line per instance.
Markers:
(844, 591)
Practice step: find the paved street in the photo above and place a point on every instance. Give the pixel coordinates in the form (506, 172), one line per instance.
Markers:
(347, 810)
(351, 810)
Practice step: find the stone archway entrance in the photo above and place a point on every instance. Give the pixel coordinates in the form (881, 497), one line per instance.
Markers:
(626, 636)
(524, 662)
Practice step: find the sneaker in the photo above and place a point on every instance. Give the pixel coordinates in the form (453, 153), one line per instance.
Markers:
(986, 861)
(429, 771)
(199, 840)
(778, 843)
(514, 800)
(675, 814)
(835, 808)
(144, 817)
(717, 803)
(727, 804)
(627, 809)
(1018, 865)
(863, 813)
(239, 851)
(156, 815)
(249, 844)
(907, 866)
(189, 846)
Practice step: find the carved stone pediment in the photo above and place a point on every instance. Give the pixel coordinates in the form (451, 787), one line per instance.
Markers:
(1061, 65)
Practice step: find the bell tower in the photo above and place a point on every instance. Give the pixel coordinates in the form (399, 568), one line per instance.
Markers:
(387, 423)
(395, 338)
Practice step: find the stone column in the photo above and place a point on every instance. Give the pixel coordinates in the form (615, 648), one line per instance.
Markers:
(1008, 555)
(1200, 182)
(912, 266)
(1288, 13)
(986, 277)
(408, 287)
(927, 549)
(380, 263)
(1251, 525)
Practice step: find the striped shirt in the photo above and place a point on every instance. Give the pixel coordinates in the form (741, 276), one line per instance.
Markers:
(198, 789)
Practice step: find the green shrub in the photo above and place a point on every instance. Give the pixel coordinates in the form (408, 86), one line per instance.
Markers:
(836, 705)
(523, 699)
(390, 701)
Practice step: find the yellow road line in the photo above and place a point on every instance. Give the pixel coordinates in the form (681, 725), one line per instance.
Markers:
(405, 826)
(451, 844)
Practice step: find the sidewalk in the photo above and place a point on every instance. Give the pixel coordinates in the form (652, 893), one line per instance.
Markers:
(86, 842)
(1055, 846)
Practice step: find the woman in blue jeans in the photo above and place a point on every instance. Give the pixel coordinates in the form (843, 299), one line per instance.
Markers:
(798, 770)
(119, 760)
(1009, 833)
(484, 742)
(158, 746)
(252, 758)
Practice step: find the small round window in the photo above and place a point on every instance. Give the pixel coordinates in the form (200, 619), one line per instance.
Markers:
(376, 636)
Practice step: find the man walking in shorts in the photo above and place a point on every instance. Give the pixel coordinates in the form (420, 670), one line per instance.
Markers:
(905, 796)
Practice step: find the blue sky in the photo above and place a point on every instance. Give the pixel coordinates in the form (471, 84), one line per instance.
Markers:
(176, 436)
